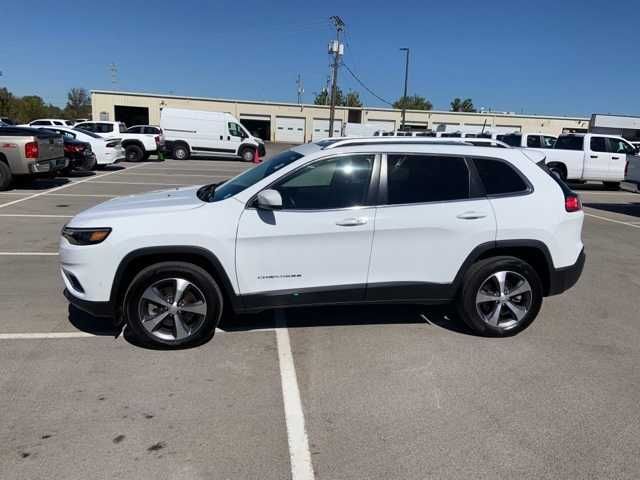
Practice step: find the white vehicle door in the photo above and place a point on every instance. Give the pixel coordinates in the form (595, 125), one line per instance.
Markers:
(317, 246)
(597, 159)
(432, 215)
(235, 136)
(620, 153)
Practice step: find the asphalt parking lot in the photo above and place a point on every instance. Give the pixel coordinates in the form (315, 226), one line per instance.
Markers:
(382, 392)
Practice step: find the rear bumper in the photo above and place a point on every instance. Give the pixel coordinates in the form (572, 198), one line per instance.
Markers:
(630, 186)
(51, 165)
(262, 150)
(563, 279)
(96, 309)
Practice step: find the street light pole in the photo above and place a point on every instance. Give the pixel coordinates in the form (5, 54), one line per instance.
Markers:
(406, 78)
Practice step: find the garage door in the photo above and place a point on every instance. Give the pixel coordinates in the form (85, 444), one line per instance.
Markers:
(321, 128)
(384, 125)
(289, 130)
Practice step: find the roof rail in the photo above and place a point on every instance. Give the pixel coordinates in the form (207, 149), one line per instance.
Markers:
(356, 142)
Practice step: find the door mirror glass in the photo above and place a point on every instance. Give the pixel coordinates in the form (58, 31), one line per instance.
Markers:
(269, 200)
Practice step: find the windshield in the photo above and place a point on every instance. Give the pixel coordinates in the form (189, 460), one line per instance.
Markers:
(215, 193)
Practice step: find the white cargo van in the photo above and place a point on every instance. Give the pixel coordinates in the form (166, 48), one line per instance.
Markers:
(191, 133)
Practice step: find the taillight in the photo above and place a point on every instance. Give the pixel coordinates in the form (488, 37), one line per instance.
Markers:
(31, 150)
(572, 203)
(73, 148)
(626, 169)
(157, 138)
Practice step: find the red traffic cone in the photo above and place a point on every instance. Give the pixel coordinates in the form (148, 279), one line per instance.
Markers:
(256, 157)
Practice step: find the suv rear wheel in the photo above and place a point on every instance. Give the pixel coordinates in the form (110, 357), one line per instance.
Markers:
(173, 304)
(180, 152)
(500, 296)
(5, 176)
(133, 153)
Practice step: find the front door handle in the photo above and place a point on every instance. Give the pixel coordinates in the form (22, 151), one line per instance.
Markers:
(352, 222)
(471, 215)
(594, 156)
(221, 137)
(615, 158)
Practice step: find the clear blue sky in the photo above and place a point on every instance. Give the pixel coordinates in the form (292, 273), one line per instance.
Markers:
(555, 57)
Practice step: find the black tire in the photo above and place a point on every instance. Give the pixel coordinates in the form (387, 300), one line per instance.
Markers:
(180, 152)
(611, 185)
(162, 271)
(133, 153)
(248, 154)
(477, 276)
(6, 177)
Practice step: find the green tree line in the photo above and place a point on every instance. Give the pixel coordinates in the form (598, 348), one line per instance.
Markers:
(29, 107)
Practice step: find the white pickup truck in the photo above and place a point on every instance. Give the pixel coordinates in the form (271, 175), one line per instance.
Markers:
(632, 175)
(589, 156)
(137, 146)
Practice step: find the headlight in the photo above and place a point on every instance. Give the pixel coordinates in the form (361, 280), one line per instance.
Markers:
(85, 236)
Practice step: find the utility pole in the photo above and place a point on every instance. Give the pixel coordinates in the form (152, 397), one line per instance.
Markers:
(406, 78)
(300, 89)
(114, 73)
(337, 49)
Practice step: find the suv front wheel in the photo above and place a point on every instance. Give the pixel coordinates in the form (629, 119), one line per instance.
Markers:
(173, 304)
(500, 296)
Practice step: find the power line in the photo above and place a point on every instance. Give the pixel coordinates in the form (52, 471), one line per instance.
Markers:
(364, 86)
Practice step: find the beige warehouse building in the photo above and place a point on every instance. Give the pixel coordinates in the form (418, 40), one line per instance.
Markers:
(294, 123)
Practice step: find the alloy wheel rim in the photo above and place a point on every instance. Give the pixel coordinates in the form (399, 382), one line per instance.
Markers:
(504, 299)
(172, 309)
(180, 154)
(248, 155)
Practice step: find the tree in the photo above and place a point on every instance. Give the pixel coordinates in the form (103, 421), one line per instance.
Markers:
(30, 107)
(352, 100)
(78, 104)
(413, 102)
(466, 105)
(7, 104)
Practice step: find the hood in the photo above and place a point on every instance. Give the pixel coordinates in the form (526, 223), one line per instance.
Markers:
(157, 202)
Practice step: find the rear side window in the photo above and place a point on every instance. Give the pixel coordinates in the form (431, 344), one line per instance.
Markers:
(134, 130)
(153, 130)
(548, 142)
(423, 178)
(41, 122)
(499, 178)
(104, 127)
(598, 144)
(512, 139)
(533, 141)
(569, 142)
(87, 127)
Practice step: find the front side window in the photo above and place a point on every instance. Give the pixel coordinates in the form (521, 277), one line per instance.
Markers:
(333, 183)
(215, 193)
(152, 130)
(104, 127)
(512, 139)
(424, 178)
(235, 130)
(533, 141)
(617, 145)
(499, 178)
(548, 142)
(597, 144)
(87, 127)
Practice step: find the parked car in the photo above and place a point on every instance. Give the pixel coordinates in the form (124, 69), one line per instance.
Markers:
(7, 121)
(138, 146)
(28, 152)
(107, 151)
(145, 129)
(631, 181)
(191, 133)
(49, 122)
(579, 157)
(529, 140)
(453, 223)
(79, 154)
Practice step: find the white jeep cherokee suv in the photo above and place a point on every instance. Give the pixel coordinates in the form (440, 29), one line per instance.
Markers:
(334, 222)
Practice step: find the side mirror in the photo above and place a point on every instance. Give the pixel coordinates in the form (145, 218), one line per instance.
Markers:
(269, 200)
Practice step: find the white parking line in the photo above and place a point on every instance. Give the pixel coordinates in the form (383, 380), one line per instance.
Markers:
(67, 185)
(25, 254)
(174, 175)
(140, 183)
(628, 224)
(299, 455)
(61, 194)
(35, 215)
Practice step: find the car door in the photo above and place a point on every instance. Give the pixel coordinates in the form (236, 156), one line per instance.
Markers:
(597, 159)
(316, 248)
(620, 152)
(432, 214)
(235, 135)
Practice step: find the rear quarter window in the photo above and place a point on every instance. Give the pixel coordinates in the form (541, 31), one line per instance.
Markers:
(499, 177)
(569, 142)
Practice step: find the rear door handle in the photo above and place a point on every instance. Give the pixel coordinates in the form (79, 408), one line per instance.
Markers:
(594, 156)
(471, 215)
(615, 158)
(352, 222)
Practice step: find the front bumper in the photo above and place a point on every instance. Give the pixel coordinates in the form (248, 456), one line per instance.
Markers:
(562, 279)
(96, 309)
